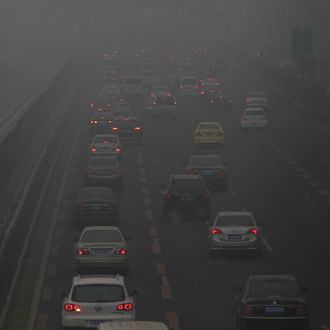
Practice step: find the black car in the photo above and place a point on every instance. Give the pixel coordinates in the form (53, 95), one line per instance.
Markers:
(128, 128)
(95, 203)
(187, 194)
(272, 302)
(211, 167)
(100, 122)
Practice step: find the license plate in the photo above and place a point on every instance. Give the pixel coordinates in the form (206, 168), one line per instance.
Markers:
(206, 173)
(187, 199)
(235, 236)
(93, 323)
(101, 251)
(274, 309)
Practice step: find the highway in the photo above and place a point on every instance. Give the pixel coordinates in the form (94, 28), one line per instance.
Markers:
(169, 263)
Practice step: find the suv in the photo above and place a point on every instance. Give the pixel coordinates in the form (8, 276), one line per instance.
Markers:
(188, 194)
(272, 302)
(93, 299)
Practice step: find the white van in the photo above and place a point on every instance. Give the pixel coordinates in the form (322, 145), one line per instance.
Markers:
(132, 325)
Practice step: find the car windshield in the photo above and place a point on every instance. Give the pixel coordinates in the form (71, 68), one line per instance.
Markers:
(254, 112)
(165, 101)
(206, 162)
(103, 161)
(235, 220)
(98, 293)
(101, 236)
(189, 185)
(105, 139)
(133, 81)
(273, 287)
(209, 126)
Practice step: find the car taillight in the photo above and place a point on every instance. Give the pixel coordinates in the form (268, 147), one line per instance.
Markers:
(221, 172)
(118, 150)
(115, 129)
(247, 309)
(253, 231)
(300, 310)
(82, 252)
(72, 308)
(202, 93)
(94, 122)
(125, 307)
(211, 101)
(216, 231)
(137, 129)
(93, 149)
(120, 252)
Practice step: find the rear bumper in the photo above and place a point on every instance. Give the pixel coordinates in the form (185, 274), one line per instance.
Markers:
(230, 245)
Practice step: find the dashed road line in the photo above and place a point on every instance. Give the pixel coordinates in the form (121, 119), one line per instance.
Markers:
(143, 179)
(165, 288)
(153, 231)
(160, 267)
(231, 190)
(172, 320)
(42, 320)
(314, 184)
(266, 244)
(155, 247)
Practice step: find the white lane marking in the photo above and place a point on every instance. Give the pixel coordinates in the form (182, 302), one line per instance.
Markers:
(324, 327)
(266, 244)
(314, 184)
(306, 176)
(231, 190)
(299, 170)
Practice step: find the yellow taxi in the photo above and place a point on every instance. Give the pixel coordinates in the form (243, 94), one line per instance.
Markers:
(209, 133)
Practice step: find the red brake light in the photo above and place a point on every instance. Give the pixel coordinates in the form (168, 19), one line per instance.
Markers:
(137, 128)
(125, 307)
(93, 122)
(72, 308)
(93, 149)
(120, 252)
(216, 231)
(82, 252)
(115, 129)
(247, 309)
(118, 150)
(253, 231)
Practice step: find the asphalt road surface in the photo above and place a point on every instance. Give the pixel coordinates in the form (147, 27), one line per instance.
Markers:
(169, 263)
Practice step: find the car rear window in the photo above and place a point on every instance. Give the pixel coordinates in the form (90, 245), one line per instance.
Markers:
(275, 287)
(133, 81)
(101, 236)
(193, 185)
(209, 126)
(98, 293)
(206, 162)
(104, 161)
(235, 220)
(105, 139)
(126, 123)
(189, 81)
(255, 112)
(165, 101)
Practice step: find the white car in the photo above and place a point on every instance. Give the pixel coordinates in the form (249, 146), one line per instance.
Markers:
(256, 99)
(234, 230)
(164, 105)
(106, 144)
(254, 118)
(189, 86)
(94, 299)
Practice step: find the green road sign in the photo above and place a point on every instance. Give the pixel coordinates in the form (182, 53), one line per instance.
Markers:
(302, 40)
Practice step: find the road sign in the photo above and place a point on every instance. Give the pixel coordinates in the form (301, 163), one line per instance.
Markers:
(302, 40)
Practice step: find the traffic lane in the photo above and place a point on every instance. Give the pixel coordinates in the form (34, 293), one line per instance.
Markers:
(290, 132)
(142, 274)
(274, 187)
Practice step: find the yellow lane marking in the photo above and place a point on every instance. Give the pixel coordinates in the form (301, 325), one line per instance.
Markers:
(155, 246)
(42, 321)
(147, 202)
(165, 288)
(172, 320)
(150, 215)
(160, 266)
(153, 231)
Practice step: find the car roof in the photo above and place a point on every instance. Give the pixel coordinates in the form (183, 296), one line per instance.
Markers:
(234, 213)
(284, 277)
(97, 279)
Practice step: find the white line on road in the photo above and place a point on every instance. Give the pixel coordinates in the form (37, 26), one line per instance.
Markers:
(231, 190)
(266, 244)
